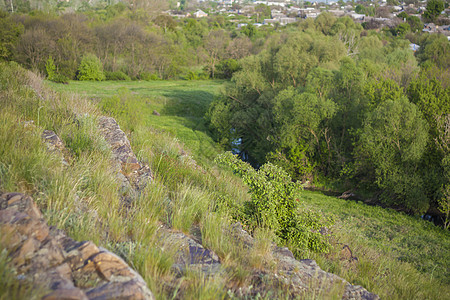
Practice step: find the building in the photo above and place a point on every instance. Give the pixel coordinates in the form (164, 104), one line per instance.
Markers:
(200, 14)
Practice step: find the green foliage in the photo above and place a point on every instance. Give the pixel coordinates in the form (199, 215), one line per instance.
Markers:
(149, 76)
(226, 68)
(302, 129)
(90, 69)
(393, 139)
(50, 68)
(9, 36)
(434, 49)
(415, 23)
(52, 75)
(433, 9)
(191, 75)
(250, 30)
(274, 205)
(401, 29)
(117, 75)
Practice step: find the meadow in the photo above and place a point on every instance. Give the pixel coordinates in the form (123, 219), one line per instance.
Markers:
(181, 104)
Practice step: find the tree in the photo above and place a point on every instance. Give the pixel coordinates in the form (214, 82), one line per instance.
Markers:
(165, 22)
(433, 10)
(250, 30)
(10, 32)
(215, 45)
(435, 49)
(324, 22)
(403, 15)
(415, 23)
(301, 130)
(401, 29)
(34, 47)
(393, 140)
(360, 9)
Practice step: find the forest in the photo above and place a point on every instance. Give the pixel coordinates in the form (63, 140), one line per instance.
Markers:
(333, 103)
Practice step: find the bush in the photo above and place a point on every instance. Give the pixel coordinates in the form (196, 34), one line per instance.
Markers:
(191, 75)
(226, 68)
(90, 68)
(148, 76)
(51, 72)
(117, 75)
(274, 206)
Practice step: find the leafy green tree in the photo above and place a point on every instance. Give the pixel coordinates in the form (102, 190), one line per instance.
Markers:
(433, 10)
(415, 23)
(90, 68)
(10, 32)
(347, 93)
(360, 9)
(250, 30)
(435, 49)
(393, 140)
(324, 22)
(302, 130)
(403, 15)
(401, 29)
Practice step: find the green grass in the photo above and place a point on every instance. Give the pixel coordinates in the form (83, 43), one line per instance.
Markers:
(181, 104)
(399, 256)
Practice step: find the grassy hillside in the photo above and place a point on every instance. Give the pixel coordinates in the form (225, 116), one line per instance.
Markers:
(181, 105)
(399, 257)
(407, 254)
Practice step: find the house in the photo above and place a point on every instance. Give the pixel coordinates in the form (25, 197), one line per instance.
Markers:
(200, 14)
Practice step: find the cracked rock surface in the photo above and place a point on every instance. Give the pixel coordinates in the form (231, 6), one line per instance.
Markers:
(66, 268)
(133, 174)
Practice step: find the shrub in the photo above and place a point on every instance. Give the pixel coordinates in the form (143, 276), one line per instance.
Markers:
(52, 75)
(191, 75)
(117, 75)
(274, 206)
(90, 68)
(226, 68)
(148, 76)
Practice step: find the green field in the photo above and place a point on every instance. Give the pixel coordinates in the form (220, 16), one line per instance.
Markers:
(181, 104)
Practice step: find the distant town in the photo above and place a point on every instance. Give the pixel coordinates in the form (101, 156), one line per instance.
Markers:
(371, 14)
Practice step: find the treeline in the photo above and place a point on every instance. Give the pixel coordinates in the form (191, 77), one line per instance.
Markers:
(130, 43)
(329, 101)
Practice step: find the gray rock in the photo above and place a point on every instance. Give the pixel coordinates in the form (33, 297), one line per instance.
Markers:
(132, 174)
(189, 254)
(300, 277)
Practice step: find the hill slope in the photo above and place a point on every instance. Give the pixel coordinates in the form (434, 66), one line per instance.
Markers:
(168, 221)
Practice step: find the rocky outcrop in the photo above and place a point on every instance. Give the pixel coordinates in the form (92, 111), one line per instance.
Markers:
(299, 277)
(55, 145)
(67, 269)
(133, 175)
(189, 254)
